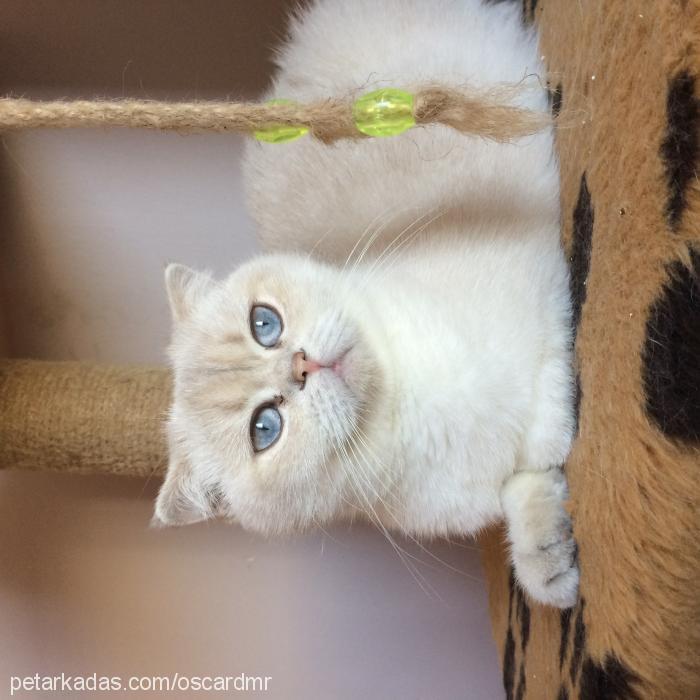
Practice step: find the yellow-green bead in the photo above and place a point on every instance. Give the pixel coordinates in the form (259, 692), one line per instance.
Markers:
(385, 112)
(279, 133)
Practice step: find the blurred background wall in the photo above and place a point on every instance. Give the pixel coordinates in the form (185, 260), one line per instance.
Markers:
(88, 219)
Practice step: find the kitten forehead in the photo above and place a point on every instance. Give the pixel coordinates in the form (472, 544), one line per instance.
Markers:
(278, 276)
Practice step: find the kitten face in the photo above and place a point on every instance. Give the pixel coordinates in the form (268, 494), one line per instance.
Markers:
(224, 376)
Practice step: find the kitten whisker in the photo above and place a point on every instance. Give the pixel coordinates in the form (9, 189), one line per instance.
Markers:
(318, 242)
(378, 231)
(373, 517)
(404, 230)
(376, 219)
(392, 255)
(418, 543)
(395, 519)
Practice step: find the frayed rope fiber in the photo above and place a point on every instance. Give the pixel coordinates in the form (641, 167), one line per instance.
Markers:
(482, 114)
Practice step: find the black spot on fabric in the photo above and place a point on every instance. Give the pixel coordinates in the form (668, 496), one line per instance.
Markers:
(563, 694)
(529, 7)
(509, 648)
(671, 353)
(580, 258)
(556, 95)
(509, 664)
(520, 692)
(611, 681)
(681, 144)
(526, 11)
(523, 613)
(577, 401)
(579, 643)
(511, 592)
(565, 623)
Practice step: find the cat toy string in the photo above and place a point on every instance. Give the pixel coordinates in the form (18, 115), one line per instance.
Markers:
(384, 112)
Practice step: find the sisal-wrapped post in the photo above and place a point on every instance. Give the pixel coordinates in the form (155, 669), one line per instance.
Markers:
(84, 418)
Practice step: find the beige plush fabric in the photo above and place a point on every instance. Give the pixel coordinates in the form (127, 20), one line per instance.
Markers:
(625, 75)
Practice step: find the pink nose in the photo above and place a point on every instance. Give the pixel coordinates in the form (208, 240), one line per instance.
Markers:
(301, 367)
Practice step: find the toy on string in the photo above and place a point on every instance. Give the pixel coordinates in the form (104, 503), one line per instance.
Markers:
(385, 112)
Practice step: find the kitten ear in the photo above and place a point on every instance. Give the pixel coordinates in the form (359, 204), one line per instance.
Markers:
(185, 288)
(182, 499)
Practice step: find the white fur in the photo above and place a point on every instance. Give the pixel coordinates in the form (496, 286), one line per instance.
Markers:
(455, 409)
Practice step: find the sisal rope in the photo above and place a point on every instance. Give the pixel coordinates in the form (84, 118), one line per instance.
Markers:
(483, 114)
(82, 417)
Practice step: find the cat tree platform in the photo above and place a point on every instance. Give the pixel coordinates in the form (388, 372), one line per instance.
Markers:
(626, 74)
(631, 223)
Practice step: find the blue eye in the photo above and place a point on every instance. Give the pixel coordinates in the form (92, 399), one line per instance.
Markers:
(265, 427)
(265, 325)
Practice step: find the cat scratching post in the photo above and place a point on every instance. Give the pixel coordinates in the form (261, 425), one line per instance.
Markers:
(81, 417)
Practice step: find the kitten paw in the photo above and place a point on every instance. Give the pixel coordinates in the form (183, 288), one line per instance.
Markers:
(542, 544)
(549, 574)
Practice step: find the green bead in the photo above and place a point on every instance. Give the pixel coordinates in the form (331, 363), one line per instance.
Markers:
(279, 133)
(385, 112)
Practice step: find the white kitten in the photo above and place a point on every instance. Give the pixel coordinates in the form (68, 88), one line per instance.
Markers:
(426, 384)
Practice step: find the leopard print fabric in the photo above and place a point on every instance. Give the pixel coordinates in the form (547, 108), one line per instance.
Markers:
(625, 78)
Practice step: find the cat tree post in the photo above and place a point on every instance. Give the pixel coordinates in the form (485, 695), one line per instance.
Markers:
(83, 418)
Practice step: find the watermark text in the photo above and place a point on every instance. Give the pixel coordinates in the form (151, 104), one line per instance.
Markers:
(64, 683)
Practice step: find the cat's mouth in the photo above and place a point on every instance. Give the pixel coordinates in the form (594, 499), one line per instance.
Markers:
(347, 367)
(341, 366)
(353, 371)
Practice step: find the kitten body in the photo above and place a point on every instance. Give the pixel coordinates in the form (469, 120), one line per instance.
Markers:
(435, 310)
